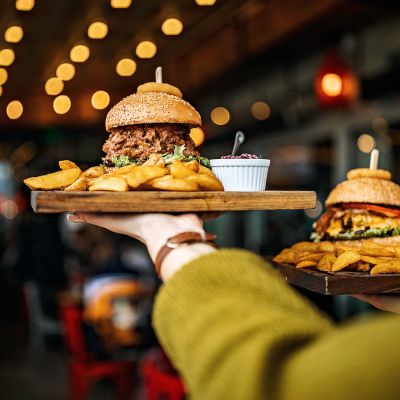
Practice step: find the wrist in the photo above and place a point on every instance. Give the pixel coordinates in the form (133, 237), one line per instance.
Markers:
(182, 255)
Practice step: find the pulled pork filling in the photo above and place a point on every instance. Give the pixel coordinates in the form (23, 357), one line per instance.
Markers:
(138, 142)
(342, 223)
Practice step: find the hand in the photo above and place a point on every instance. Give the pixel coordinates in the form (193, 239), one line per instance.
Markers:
(153, 230)
(381, 301)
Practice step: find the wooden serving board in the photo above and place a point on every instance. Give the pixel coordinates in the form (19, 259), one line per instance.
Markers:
(342, 282)
(157, 201)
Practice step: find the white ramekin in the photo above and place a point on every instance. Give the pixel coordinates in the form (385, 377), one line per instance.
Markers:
(241, 174)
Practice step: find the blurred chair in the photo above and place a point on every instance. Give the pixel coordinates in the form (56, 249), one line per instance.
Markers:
(160, 379)
(84, 370)
(40, 324)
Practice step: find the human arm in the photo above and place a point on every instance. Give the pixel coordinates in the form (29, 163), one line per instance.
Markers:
(236, 330)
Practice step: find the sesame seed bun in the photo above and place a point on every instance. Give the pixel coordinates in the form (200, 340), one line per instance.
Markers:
(152, 108)
(365, 190)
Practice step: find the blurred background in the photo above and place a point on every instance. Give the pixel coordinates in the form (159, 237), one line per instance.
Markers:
(314, 85)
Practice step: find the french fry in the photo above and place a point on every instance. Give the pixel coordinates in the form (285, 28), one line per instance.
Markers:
(206, 182)
(93, 172)
(173, 184)
(389, 267)
(345, 259)
(66, 164)
(326, 262)
(110, 184)
(56, 180)
(142, 174)
(180, 170)
(79, 185)
(306, 264)
(193, 165)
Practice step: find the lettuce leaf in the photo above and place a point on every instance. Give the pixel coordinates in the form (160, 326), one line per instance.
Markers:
(352, 235)
(122, 161)
(179, 155)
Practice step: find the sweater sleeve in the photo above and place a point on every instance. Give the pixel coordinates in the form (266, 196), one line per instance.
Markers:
(234, 329)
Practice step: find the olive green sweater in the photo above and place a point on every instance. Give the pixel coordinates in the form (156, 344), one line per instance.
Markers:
(235, 330)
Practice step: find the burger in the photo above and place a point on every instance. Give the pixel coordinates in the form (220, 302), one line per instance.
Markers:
(155, 120)
(365, 206)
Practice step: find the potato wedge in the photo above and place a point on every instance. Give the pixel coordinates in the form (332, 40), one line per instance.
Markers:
(362, 267)
(93, 172)
(326, 262)
(56, 180)
(141, 174)
(193, 165)
(110, 184)
(326, 247)
(79, 185)
(156, 160)
(205, 171)
(66, 164)
(285, 256)
(123, 170)
(389, 267)
(309, 257)
(206, 182)
(374, 250)
(173, 184)
(306, 264)
(345, 259)
(180, 170)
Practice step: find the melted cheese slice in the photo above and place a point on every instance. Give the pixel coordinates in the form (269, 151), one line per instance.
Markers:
(360, 221)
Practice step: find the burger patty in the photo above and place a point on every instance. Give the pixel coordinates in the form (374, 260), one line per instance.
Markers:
(138, 142)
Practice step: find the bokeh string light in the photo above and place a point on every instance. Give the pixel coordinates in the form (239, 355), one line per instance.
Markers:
(24, 5)
(65, 71)
(14, 109)
(146, 49)
(126, 67)
(97, 30)
(172, 26)
(100, 100)
(7, 57)
(220, 116)
(62, 104)
(14, 34)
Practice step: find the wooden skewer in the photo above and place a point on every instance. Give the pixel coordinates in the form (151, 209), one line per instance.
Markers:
(159, 74)
(373, 163)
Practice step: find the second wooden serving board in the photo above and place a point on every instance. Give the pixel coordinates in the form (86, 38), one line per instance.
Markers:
(342, 282)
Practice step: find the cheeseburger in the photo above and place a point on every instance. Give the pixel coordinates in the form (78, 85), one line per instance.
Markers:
(365, 206)
(155, 120)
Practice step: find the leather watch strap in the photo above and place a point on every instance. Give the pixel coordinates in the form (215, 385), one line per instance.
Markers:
(181, 239)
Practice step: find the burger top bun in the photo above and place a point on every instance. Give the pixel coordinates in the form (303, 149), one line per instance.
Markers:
(152, 108)
(365, 190)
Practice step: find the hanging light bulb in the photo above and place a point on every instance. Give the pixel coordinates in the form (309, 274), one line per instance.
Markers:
(79, 53)
(14, 109)
(62, 104)
(100, 100)
(7, 57)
